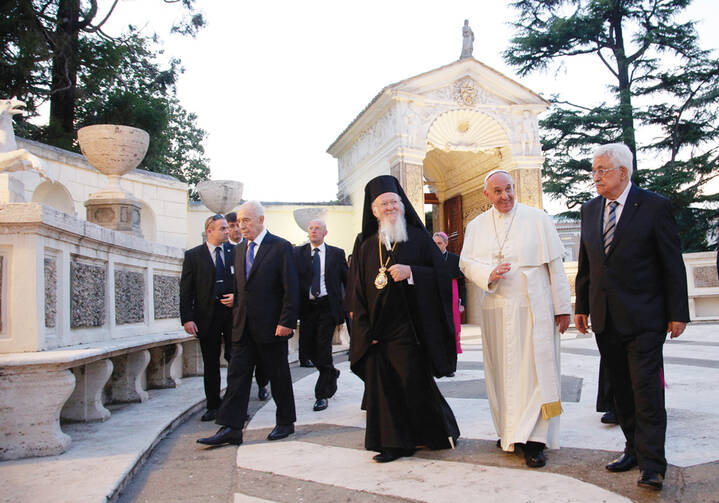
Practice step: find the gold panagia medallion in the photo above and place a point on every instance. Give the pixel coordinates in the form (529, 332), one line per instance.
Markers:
(381, 280)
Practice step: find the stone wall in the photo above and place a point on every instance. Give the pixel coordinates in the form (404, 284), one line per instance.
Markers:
(73, 282)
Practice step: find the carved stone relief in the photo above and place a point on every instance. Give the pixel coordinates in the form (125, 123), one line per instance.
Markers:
(50, 292)
(166, 296)
(87, 294)
(129, 296)
(473, 203)
(706, 276)
(528, 186)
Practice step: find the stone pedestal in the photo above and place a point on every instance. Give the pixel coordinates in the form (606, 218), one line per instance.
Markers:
(165, 368)
(85, 403)
(116, 213)
(30, 405)
(126, 382)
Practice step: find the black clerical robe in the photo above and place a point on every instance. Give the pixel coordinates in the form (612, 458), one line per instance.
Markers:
(412, 324)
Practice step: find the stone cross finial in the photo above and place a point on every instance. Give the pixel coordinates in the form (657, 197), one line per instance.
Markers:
(467, 40)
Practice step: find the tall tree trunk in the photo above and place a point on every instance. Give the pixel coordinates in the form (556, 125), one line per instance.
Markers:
(64, 70)
(626, 111)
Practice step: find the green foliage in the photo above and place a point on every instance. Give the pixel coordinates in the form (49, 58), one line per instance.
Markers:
(118, 81)
(663, 102)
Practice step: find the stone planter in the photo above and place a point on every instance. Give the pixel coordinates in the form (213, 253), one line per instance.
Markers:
(303, 216)
(220, 196)
(114, 150)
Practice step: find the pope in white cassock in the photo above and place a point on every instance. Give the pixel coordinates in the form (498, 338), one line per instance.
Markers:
(514, 254)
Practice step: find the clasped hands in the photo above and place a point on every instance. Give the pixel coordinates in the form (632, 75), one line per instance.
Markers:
(399, 272)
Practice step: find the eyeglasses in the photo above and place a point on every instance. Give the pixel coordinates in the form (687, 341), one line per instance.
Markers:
(602, 171)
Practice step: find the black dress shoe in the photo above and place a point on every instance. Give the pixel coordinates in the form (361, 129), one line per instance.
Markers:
(651, 480)
(263, 393)
(210, 415)
(534, 454)
(225, 435)
(281, 431)
(622, 463)
(609, 417)
(306, 363)
(320, 404)
(388, 455)
(499, 443)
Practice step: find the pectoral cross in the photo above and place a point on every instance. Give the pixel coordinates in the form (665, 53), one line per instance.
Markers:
(499, 258)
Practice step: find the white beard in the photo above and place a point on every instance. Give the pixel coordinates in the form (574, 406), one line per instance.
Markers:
(393, 232)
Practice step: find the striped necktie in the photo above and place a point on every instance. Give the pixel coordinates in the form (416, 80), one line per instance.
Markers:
(250, 258)
(610, 226)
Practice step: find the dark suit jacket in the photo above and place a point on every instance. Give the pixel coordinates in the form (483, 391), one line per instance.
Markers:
(335, 277)
(455, 272)
(641, 281)
(198, 297)
(270, 295)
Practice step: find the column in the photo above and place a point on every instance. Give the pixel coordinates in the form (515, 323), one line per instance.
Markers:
(85, 403)
(126, 382)
(165, 367)
(30, 404)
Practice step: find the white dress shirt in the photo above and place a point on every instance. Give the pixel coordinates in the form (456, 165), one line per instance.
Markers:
(323, 254)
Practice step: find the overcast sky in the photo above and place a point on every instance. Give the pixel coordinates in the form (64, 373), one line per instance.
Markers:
(274, 83)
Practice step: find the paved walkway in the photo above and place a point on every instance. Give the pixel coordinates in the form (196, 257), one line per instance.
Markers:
(325, 460)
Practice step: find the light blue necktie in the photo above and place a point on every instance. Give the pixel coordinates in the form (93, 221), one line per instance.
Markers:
(250, 258)
(610, 226)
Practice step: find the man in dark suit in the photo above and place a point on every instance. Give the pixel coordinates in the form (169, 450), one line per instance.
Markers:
(264, 316)
(323, 276)
(631, 280)
(263, 391)
(206, 300)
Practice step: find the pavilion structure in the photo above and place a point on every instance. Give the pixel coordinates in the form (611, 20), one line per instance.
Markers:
(439, 133)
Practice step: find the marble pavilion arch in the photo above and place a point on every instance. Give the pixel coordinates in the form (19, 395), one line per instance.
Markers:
(439, 133)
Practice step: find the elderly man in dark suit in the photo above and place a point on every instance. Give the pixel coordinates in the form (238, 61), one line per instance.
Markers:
(263, 391)
(264, 316)
(206, 300)
(632, 281)
(323, 276)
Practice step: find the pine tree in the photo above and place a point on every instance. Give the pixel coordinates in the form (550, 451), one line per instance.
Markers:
(661, 102)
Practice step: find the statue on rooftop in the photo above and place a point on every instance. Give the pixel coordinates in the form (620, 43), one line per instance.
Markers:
(11, 157)
(467, 40)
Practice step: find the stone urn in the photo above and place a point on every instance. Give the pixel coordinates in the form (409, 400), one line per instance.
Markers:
(303, 216)
(220, 196)
(114, 150)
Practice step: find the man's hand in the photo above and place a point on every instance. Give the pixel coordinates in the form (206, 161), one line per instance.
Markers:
(499, 272)
(400, 272)
(228, 299)
(562, 320)
(581, 321)
(281, 331)
(190, 328)
(676, 328)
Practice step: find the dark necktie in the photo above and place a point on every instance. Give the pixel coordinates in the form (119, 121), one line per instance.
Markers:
(610, 227)
(219, 272)
(316, 272)
(250, 258)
